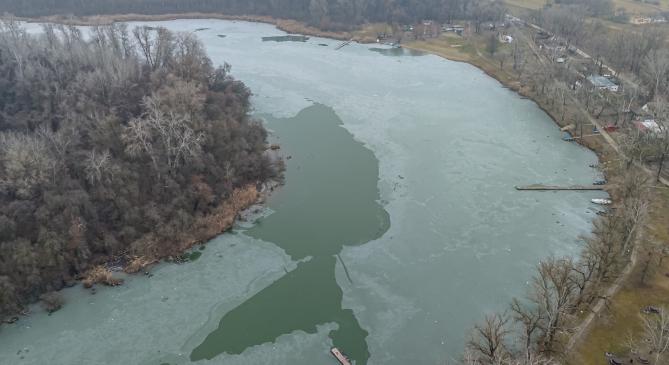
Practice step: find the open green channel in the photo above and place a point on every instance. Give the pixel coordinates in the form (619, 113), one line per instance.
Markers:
(330, 200)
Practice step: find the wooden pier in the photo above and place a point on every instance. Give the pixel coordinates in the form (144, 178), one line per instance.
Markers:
(542, 187)
(343, 360)
(343, 44)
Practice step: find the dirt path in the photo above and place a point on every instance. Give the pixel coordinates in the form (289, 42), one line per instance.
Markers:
(583, 327)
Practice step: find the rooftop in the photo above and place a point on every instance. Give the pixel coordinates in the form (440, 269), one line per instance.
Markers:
(600, 81)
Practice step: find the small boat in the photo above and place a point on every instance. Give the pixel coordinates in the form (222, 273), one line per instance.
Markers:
(566, 136)
(601, 201)
(340, 356)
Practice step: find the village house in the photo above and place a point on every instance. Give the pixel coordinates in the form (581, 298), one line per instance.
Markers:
(647, 125)
(458, 29)
(427, 29)
(639, 20)
(602, 83)
(505, 38)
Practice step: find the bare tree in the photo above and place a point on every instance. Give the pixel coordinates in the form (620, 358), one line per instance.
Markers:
(530, 319)
(583, 277)
(656, 66)
(144, 40)
(165, 137)
(605, 246)
(97, 165)
(15, 37)
(487, 342)
(26, 163)
(552, 292)
(656, 333)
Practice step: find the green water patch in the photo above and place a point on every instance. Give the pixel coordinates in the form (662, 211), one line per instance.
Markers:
(193, 255)
(286, 38)
(330, 200)
(397, 52)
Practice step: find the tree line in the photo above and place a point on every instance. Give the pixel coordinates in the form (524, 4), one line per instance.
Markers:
(113, 144)
(534, 329)
(326, 14)
(538, 327)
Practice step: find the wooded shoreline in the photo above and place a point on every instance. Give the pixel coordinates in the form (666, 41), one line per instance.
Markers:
(287, 25)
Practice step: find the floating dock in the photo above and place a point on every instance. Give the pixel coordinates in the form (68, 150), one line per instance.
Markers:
(343, 360)
(557, 187)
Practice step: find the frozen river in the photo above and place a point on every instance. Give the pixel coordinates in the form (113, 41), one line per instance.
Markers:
(399, 226)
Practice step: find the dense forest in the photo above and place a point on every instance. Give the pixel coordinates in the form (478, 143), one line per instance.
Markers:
(326, 14)
(124, 143)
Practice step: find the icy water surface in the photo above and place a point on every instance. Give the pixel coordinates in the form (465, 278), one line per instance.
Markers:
(396, 231)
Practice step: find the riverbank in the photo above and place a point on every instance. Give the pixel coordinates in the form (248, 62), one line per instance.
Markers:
(641, 282)
(205, 228)
(365, 34)
(220, 220)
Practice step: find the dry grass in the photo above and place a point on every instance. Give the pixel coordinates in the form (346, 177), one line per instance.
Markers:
(449, 46)
(368, 32)
(639, 7)
(609, 332)
(100, 275)
(631, 6)
(527, 4)
(138, 263)
(470, 50)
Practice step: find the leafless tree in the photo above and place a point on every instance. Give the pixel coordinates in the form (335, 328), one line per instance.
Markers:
(604, 246)
(656, 333)
(583, 277)
(156, 45)
(656, 66)
(166, 132)
(552, 292)
(530, 319)
(97, 165)
(144, 40)
(487, 342)
(25, 163)
(16, 38)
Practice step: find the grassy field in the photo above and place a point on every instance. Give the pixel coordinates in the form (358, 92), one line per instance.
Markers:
(631, 6)
(639, 7)
(527, 4)
(470, 50)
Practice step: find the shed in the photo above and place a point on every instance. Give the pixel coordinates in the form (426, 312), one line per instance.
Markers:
(647, 125)
(602, 83)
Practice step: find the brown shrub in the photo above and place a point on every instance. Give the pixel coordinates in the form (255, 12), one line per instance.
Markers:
(51, 301)
(100, 275)
(138, 263)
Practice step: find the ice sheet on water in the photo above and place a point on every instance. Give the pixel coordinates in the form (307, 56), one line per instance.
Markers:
(146, 317)
(462, 240)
